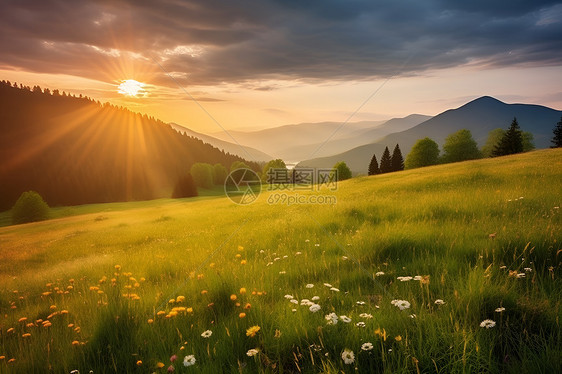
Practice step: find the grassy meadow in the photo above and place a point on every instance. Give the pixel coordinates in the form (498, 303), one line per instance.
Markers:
(410, 263)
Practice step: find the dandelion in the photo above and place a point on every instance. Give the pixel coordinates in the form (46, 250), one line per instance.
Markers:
(332, 318)
(345, 319)
(252, 352)
(348, 356)
(189, 360)
(252, 331)
(207, 334)
(366, 315)
(367, 346)
(500, 309)
(310, 285)
(360, 324)
(314, 308)
(487, 323)
(439, 302)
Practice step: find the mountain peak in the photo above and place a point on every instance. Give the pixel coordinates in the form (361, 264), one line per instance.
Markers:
(485, 99)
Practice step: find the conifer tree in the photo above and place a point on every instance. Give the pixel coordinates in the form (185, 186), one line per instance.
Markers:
(557, 138)
(386, 162)
(512, 141)
(374, 166)
(397, 161)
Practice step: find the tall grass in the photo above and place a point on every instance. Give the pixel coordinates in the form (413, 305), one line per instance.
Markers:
(481, 235)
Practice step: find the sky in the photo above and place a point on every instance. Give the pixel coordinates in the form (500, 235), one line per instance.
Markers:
(214, 64)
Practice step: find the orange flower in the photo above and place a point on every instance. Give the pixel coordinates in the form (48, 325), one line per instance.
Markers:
(242, 291)
(233, 297)
(75, 343)
(139, 363)
(242, 315)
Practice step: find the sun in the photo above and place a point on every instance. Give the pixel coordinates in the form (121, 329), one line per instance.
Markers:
(131, 87)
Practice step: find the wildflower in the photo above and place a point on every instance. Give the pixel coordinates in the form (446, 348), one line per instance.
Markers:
(180, 299)
(412, 316)
(240, 248)
(520, 275)
(310, 285)
(171, 369)
(334, 289)
(139, 363)
(360, 303)
(487, 323)
(404, 279)
(366, 315)
(252, 331)
(332, 318)
(328, 285)
(294, 301)
(293, 310)
(207, 334)
(75, 343)
(150, 321)
(26, 335)
(282, 272)
(247, 306)
(2, 358)
(298, 253)
(243, 262)
(344, 258)
(315, 298)
(118, 267)
(500, 309)
(173, 358)
(367, 346)
(439, 302)
(348, 356)
(242, 291)
(314, 308)
(22, 319)
(233, 297)
(160, 365)
(401, 304)
(306, 302)
(289, 297)
(360, 324)
(528, 270)
(398, 338)
(189, 360)
(345, 319)
(242, 315)
(379, 273)
(252, 352)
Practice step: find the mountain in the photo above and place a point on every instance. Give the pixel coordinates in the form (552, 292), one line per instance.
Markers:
(232, 148)
(480, 116)
(300, 141)
(76, 151)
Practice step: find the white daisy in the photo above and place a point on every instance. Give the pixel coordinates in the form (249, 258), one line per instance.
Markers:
(252, 352)
(345, 319)
(487, 323)
(348, 356)
(189, 360)
(367, 346)
(207, 334)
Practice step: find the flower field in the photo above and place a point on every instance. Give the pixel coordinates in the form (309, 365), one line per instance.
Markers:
(452, 268)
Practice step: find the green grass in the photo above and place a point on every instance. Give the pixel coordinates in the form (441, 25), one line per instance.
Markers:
(434, 222)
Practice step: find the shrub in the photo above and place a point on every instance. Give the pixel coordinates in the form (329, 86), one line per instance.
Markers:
(30, 207)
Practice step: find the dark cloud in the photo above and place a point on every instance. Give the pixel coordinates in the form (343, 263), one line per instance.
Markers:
(214, 41)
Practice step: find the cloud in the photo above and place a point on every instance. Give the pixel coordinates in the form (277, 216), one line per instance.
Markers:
(222, 41)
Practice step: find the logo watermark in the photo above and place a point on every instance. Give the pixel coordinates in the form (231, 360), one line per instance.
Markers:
(243, 186)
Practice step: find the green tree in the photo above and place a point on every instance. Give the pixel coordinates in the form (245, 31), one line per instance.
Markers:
(494, 138)
(185, 187)
(238, 165)
(511, 142)
(219, 174)
(460, 146)
(275, 171)
(342, 171)
(527, 139)
(30, 207)
(397, 161)
(386, 162)
(374, 166)
(202, 174)
(424, 153)
(557, 138)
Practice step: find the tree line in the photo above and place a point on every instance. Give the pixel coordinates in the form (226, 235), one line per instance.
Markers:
(74, 150)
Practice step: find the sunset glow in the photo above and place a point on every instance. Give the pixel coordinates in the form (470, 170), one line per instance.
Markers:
(131, 87)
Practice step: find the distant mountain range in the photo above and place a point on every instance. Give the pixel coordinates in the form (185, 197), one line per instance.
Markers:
(305, 140)
(480, 116)
(232, 148)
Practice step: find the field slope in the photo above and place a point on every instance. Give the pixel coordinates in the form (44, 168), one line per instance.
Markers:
(130, 290)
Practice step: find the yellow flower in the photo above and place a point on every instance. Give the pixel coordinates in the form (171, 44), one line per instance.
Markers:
(240, 248)
(75, 343)
(243, 262)
(26, 335)
(252, 331)
(139, 363)
(247, 306)
(150, 320)
(238, 255)
(242, 291)
(180, 299)
(232, 297)
(189, 310)
(160, 365)
(117, 267)
(242, 315)
(398, 338)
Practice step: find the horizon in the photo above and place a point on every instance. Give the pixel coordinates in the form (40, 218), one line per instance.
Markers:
(199, 65)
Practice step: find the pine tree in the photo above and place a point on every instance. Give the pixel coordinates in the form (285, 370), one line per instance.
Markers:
(557, 138)
(374, 166)
(512, 141)
(386, 162)
(397, 161)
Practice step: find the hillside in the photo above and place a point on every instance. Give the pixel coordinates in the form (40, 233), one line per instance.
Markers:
(480, 116)
(75, 151)
(173, 278)
(228, 147)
